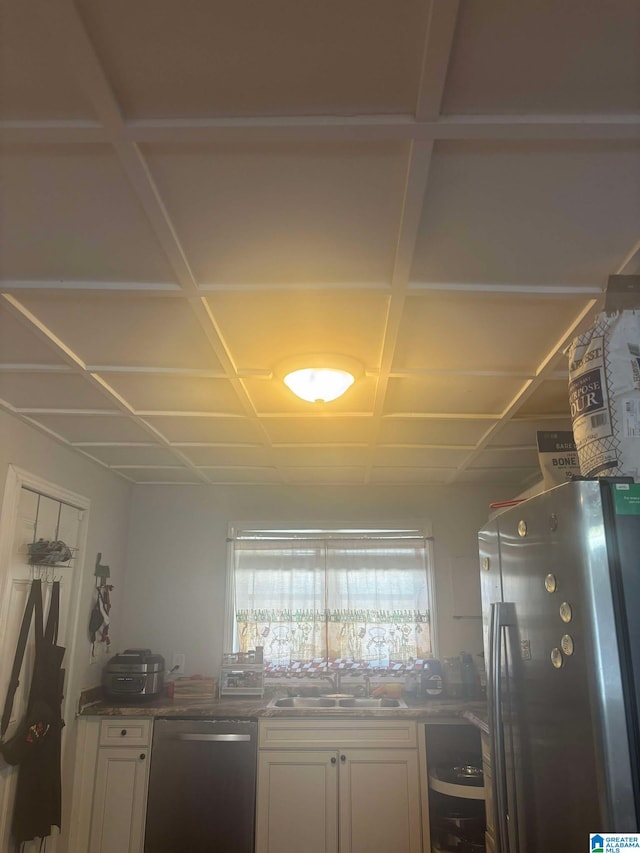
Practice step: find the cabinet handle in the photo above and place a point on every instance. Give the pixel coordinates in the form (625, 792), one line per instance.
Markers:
(123, 732)
(142, 755)
(333, 759)
(343, 758)
(205, 737)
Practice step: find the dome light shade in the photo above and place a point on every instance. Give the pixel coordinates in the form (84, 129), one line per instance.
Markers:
(319, 384)
(320, 379)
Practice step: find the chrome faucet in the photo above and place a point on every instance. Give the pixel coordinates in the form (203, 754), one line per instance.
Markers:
(334, 680)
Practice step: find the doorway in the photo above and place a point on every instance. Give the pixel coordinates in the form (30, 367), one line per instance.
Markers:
(35, 509)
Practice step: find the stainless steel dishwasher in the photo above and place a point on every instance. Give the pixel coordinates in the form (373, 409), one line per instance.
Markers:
(202, 786)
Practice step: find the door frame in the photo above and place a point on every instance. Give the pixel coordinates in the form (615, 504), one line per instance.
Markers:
(16, 479)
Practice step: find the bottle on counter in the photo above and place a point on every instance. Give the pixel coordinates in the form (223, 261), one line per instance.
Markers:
(411, 685)
(452, 675)
(431, 679)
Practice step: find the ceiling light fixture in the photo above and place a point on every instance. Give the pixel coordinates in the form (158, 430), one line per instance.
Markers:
(319, 378)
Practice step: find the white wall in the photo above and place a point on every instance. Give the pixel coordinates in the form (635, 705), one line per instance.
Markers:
(175, 586)
(33, 451)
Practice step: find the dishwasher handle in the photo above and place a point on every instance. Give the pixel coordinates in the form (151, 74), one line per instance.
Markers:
(209, 738)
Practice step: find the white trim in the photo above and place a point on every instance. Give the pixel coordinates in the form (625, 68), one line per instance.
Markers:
(84, 770)
(422, 525)
(433, 599)
(229, 609)
(16, 479)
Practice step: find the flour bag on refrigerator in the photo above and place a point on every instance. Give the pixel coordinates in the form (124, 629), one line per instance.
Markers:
(604, 393)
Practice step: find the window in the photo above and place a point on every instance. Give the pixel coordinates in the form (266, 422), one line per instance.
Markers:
(313, 596)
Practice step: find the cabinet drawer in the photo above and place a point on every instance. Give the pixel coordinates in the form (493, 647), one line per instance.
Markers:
(298, 734)
(129, 732)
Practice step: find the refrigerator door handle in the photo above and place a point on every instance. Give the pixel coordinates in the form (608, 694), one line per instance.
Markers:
(502, 617)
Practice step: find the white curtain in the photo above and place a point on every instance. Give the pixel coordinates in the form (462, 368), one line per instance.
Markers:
(310, 600)
(280, 599)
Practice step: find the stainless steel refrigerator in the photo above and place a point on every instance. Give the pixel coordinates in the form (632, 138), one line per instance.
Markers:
(560, 577)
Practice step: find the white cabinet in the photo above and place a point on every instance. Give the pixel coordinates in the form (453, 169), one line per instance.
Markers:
(379, 801)
(297, 801)
(359, 793)
(110, 785)
(117, 822)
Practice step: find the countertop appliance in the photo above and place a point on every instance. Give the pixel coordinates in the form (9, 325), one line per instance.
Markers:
(431, 678)
(560, 576)
(133, 674)
(202, 786)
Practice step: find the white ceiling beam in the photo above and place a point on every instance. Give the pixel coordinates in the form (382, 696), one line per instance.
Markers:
(442, 416)
(232, 467)
(412, 204)
(133, 289)
(126, 410)
(275, 287)
(385, 127)
(437, 49)
(67, 31)
(38, 368)
(631, 263)
(184, 372)
(413, 201)
(203, 481)
(535, 127)
(419, 372)
(194, 373)
(512, 289)
(591, 126)
(152, 467)
(64, 410)
(120, 287)
(157, 413)
(52, 132)
(443, 16)
(31, 322)
(113, 444)
(163, 291)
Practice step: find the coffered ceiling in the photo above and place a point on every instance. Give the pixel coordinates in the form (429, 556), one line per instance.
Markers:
(192, 192)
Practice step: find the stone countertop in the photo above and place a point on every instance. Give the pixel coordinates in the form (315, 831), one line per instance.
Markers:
(226, 708)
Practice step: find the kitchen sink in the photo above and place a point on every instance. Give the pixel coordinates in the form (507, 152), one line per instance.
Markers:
(372, 703)
(303, 702)
(325, 703)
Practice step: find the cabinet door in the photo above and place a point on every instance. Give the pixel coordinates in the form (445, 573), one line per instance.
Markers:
(117, 824)
(379, 801)
(297, 802)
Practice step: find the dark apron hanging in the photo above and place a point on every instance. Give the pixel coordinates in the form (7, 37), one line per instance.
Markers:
(38, 803)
